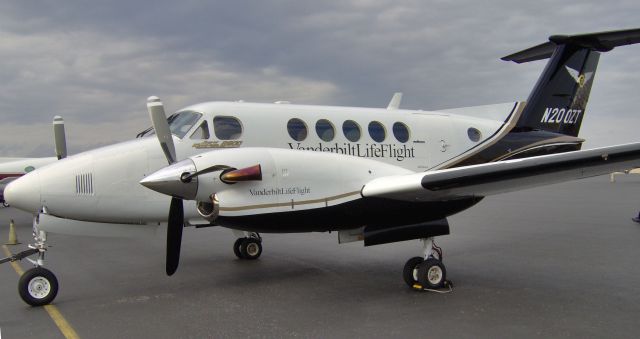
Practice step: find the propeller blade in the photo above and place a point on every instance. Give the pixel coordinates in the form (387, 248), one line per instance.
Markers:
(160, 125)
(174, 235)
(59, 137)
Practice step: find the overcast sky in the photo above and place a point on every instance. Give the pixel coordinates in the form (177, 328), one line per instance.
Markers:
(95, 63)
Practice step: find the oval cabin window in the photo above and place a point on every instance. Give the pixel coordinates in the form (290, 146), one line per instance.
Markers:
(474, 134)
(401, 132)
(297, 129)
(377, 132)
(325, 130)
(351, 130)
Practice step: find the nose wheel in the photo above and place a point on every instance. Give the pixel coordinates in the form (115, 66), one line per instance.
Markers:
(248, 248)
(38, 286)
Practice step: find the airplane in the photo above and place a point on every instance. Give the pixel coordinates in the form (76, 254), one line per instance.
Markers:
(373, 175)
(13, 168)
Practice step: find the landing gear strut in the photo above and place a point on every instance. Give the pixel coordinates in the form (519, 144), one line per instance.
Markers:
(37, 286)
(428, 271)
(248, 247)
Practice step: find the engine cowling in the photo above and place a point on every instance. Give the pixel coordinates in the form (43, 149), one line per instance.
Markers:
(266, 180)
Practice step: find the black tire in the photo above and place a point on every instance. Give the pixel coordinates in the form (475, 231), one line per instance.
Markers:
(38, 286)
(251, 248)
(236, 248)
(5, 204)
(409, 268)
(432, 274)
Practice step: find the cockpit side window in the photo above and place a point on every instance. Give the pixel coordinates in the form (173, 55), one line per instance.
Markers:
(227, 128)
(183, 122)
(202, 132)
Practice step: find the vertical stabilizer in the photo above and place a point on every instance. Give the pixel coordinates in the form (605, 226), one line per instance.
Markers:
(559, 99)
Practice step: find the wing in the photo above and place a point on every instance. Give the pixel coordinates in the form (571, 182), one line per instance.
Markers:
(504, 176)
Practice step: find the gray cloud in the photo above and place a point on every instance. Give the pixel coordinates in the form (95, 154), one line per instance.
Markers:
(95, 63)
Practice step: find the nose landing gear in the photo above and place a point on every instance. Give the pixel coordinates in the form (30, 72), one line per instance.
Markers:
(37, 286)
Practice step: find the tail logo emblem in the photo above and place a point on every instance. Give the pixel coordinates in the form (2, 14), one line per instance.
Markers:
(580, 79)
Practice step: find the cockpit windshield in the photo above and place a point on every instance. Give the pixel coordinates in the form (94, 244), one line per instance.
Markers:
(179, 123)
(183, 122)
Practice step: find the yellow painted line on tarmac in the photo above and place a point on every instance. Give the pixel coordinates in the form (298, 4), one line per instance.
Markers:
(62, 323)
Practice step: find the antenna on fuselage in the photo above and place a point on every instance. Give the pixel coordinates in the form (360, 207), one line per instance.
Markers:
(395, 101)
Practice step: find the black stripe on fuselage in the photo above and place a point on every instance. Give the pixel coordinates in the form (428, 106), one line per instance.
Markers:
(520, 141)
(469, 152)
(349, 215)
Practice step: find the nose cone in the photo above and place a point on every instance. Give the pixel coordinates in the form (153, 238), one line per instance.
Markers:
(24, 193)
(168, 180)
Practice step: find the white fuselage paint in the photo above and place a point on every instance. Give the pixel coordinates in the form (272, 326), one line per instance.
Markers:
(114, 194)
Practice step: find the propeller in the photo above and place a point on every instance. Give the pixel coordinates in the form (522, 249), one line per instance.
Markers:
(59, 137)
(160, 125)
(157, 181)
(174, 235)
(176, 209)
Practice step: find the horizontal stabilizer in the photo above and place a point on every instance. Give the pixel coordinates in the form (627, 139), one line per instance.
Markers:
(601, 42)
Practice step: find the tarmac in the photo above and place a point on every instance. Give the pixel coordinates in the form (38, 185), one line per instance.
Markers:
(556, 261)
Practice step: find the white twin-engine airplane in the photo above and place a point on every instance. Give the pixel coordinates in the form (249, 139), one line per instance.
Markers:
(377, 175)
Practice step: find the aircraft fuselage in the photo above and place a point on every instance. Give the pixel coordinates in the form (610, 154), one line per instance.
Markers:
(102, 185)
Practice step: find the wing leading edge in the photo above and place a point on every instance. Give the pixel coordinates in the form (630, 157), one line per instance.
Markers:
(504, 176)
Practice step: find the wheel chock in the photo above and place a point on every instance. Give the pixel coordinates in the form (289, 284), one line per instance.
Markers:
(447, 288)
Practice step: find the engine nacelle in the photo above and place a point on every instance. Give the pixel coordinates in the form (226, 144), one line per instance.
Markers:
(266, 180)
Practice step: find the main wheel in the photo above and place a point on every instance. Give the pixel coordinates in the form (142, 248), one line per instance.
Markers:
(236, 248)
(38, 286)
(251, 248)
(410, 271)
(432, 273)
(5, 204)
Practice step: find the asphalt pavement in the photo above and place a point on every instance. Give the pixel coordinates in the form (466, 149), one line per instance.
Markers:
(556, 261)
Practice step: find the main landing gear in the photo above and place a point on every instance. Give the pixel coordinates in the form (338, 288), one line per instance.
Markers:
(249, 246)
(37, 286)
(426, 272)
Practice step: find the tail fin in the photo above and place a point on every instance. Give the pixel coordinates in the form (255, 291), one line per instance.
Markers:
(559, 98)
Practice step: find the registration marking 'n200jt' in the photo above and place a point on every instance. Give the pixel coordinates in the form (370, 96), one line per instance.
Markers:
(560, 115)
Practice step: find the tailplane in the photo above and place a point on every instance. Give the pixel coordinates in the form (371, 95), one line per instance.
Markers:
(558, 101)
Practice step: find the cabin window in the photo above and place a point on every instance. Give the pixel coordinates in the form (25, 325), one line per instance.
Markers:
(201, 132)
(297, 129)
(377, 132)
(401, 132)
(474, 134)
(351, 130)
(325, 130)
(182, 122)
(227, 128)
